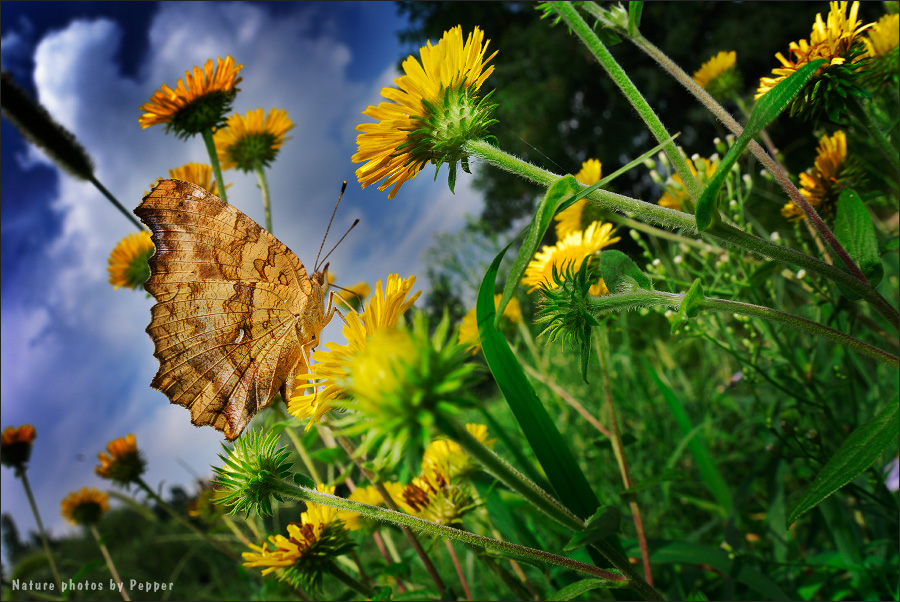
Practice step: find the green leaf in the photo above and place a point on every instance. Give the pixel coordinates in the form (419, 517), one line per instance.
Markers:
(558, 192)
(764, 112)
(573, 590)
(721, 562)
(381, 592)
(605, 522)
(668, 476)
(862, 447)
(617, 268)
(540, 430)
(712, 478)
(304, 480)
(854, 229)
(690, 305)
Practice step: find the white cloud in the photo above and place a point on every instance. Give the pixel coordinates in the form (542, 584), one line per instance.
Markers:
(78, 364)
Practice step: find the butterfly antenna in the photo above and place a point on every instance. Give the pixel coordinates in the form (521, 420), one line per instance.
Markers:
(340, 196)
(353, 225)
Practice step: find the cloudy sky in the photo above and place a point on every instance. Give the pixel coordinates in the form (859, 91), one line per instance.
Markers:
(76, 362)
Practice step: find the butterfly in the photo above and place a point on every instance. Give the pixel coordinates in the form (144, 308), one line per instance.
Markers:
(236, 316)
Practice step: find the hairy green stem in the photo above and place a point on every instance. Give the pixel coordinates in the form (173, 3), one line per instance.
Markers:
(20, 472)
(264, 188)
(477, 541)
(577, 24)
(110, 564)
(507, 475)
(645, 298)
(214, 161)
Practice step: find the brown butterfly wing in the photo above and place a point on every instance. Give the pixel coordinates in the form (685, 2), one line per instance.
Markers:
(229, 296)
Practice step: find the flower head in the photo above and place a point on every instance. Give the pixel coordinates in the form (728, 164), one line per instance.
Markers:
(468, 327)
(822, 184)
(252, 141)
(574, 249)
(128, 262)
(383, 311)
(303, 557)
(836, 41)
(433, 111)
(85, 507)
(124, 464)
(399, 381)
(251, 473)
(719, 75)
(881, 49)
(571, 218)
(199, 102)
(15, 445)
(438, 499)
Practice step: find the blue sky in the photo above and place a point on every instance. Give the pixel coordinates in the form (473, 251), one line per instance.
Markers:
(76, 362)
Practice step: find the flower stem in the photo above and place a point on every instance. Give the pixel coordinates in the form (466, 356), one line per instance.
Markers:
(214, 161)
(459, 571)
(507, 475)
(577, 24)
(174, 513)
(264, 187)
(115, 202)
(646, 298)
(349, 581)
(40, 525)
(725, 117)
(384, 515)
(873, 129)
(109, 563)
(601, 341)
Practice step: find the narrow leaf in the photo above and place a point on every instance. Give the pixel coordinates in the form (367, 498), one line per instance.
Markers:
(634, 17)
(766, 110)
(862, 447)
(549, 447)
(856, 232)
(690, 305)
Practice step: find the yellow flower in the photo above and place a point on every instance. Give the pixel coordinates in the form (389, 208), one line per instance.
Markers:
(354, 521)
(820, 185)
(468, 328)
(715, 67)
(676, 192)
(85, 507)
(831, 41)
(303, 556)
(438, 499)
(200, 174)
(198, 102)
(128, 261)
(124, 463)
(883, 37)
(251, 141)
(433, 110)
(571, 251)
(327, 376)
(569, 220)
(15, 445)
(446, 457)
